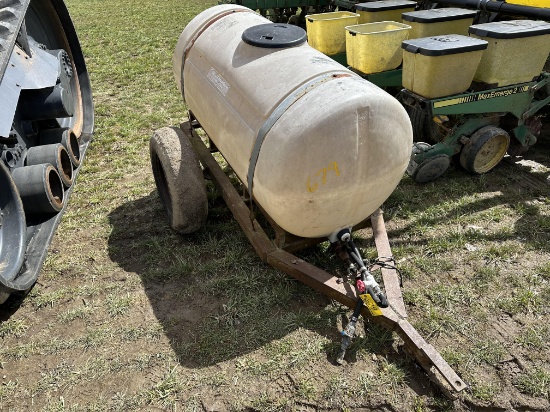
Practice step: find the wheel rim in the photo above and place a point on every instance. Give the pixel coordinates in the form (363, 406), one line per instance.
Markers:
(491, 153)
(484, 150)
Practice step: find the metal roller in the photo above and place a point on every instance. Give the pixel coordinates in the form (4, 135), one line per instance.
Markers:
(57, 155)
(40, 188)
(67, 137)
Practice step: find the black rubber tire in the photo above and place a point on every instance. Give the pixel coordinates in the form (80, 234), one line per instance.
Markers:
(179, 180)
(431, 168)
(485, 149)
(13, 232)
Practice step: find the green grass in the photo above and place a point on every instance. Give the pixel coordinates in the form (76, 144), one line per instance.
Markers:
(70, 315)
(485, 391)
(13, 327)
(535, 382)
(535, 337)
(128, 315)
(488, 351)
(7, 389)
(165, 391)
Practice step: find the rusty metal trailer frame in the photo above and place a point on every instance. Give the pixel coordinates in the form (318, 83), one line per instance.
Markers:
(278, 253)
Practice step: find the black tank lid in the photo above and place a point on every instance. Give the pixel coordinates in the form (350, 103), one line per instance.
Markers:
(274, 35)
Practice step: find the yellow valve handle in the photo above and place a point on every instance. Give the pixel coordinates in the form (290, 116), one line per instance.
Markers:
(371, 304)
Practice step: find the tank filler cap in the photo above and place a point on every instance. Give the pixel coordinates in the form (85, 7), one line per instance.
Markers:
(274, 35)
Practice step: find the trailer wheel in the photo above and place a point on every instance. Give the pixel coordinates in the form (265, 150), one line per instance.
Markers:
(485, 149)
(179, 180)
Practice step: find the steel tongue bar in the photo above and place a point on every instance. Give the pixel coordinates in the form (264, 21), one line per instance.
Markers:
(425, 354)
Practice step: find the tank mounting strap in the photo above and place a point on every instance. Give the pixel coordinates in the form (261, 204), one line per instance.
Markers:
(278, 112)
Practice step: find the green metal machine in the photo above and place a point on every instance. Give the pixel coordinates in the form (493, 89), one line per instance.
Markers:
(294, 11)
(477, 127)
(285, 11)
(480, 127)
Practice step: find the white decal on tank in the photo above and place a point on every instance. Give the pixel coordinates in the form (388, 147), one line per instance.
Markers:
(224, 24)
(218, 81)
(321, 60)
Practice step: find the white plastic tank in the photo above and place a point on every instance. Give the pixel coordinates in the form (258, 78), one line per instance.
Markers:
(332, 146)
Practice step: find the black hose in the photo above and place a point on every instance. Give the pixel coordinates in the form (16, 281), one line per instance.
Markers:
(502, 7)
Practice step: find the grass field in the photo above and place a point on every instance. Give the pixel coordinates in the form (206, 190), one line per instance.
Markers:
(128, 315)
